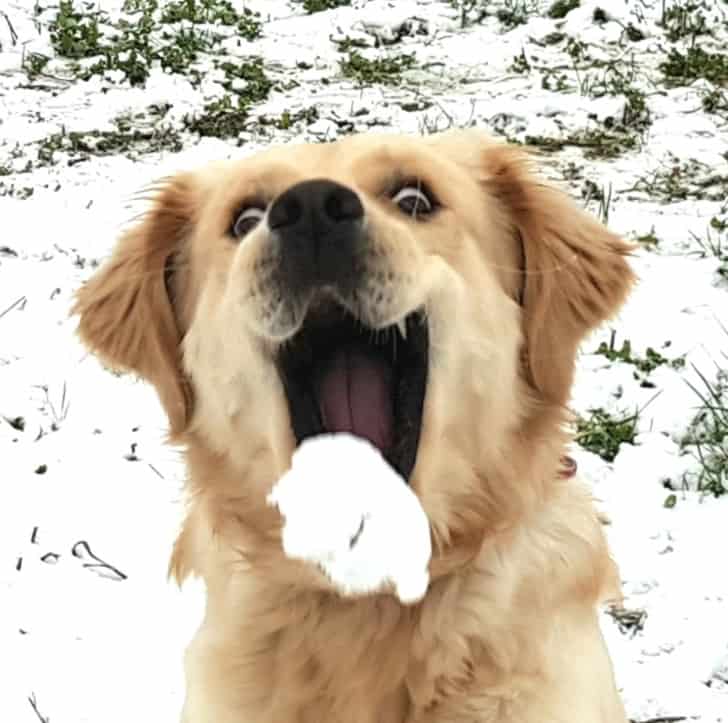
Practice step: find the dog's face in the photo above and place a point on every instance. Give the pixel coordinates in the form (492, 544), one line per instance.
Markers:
(329, 280)
(427, 294)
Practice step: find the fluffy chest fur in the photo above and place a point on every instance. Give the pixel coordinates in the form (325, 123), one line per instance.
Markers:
(490, 630)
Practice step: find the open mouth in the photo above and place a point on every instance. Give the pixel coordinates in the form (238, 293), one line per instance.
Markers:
(342, 376)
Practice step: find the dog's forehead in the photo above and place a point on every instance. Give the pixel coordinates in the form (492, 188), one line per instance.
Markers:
(351, 158)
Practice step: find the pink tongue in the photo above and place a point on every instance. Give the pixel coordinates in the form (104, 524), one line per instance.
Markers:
(355, 396)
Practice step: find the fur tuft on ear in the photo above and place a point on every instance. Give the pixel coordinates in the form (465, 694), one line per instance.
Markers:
(576, 273)
(126, 315)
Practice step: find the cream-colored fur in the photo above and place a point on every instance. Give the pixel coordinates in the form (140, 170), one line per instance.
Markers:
(512, 276)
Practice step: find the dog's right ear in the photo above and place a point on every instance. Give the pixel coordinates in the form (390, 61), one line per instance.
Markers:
(126, 314)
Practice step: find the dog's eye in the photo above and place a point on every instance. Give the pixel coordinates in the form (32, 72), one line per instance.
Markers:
(413, 201)
(248, 219)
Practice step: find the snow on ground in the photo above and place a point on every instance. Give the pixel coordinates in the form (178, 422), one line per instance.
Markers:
(89, 629)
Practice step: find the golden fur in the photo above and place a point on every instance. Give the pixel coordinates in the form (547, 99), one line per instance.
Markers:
(512, 275)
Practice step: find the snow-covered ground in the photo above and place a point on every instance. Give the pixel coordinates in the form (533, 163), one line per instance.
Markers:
(89, 629)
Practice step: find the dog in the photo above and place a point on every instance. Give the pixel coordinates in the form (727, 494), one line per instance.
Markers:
(427, 294)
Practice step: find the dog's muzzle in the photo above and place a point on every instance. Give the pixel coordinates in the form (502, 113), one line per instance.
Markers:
(319, 227)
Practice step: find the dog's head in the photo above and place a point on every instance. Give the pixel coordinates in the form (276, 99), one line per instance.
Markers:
(428, 294)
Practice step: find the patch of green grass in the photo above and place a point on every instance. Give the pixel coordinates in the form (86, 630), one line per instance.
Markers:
(715, 244)
(129, 49)
(670, 501)
(246, 83)
(385, 70)
(715, 101)
(707, 438)
(683, 68)
(211, 12)
(17, 423)
(520, 63)
(613, 78)
(222, 118)
(8, 168)
(10, 190)
(182, 50)
(636, 112)
(256, 84)
(249, 25)
(466, 7)
(555, 80)
(602, 433)
(590, 191)
(287, 120)
(605, 204)
(316, 6)
(413, 106)
(554, 38)
(631, 32)
(629, 621)
(651, 360)
(75, 34)
(577, 50)
(126, 139)
(684, 20)
(596, 78)
(718, 223)
(572, 171)
(561, 8)
(599, 16)
(345, 44)
(596, 143)
(150, 34)
(605, 144)
(677, 180)
(199, 12)
(515, 13)
(511, 13)
(620, 79)
(649, 240)
(34, 64)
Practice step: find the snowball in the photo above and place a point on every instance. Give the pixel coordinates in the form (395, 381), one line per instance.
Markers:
(346, 510)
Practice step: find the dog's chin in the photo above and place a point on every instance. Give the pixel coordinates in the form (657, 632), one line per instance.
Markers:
(340, 375)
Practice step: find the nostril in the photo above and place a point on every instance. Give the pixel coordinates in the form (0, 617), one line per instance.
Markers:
(287, 211)
(343, 205)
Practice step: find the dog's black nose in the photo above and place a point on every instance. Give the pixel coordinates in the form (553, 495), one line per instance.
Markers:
(319, 228)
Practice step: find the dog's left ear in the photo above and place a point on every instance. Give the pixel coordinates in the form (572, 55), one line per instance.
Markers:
(575, 271)
(126, 314)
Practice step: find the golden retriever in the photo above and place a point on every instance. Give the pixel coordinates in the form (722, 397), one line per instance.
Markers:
(425, 293)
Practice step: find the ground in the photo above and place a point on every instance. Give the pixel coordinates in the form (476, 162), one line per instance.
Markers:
(626, 102)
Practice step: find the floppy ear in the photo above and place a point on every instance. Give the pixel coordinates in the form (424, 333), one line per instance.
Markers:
(126, 315)
(575, 274)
